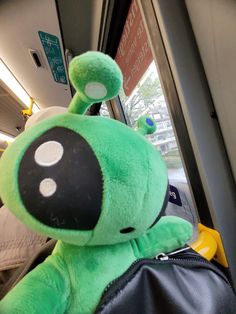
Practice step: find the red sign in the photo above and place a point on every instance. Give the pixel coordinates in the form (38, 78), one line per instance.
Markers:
(134, 54)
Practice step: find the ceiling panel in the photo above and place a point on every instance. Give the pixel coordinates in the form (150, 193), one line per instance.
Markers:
(20, 22)
(11, 119)
(80, 23)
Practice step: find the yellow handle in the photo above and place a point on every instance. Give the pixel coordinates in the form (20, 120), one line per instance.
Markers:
(205, 245)
(28, 112)
(209, 245)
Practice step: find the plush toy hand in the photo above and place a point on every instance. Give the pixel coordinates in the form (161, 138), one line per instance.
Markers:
(45, 290)
(169, 234)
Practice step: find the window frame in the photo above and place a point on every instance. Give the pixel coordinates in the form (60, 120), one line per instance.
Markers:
(110, 41)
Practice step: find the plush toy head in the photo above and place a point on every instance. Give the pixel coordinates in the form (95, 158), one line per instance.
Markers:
(81, 179)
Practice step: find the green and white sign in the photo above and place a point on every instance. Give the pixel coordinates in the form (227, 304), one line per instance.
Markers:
(52, 49)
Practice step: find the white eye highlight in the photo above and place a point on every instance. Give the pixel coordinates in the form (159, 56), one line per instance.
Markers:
(47, 187)
(95, 90)
(48, 153)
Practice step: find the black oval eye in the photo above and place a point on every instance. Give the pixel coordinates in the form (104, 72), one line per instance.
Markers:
(127, 230)
(60, 180)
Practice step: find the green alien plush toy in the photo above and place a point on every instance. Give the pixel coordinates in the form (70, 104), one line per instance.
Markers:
(96, 186)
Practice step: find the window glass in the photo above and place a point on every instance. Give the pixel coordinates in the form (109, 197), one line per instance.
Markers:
(142, 95)
(148, 99)
(104, 110)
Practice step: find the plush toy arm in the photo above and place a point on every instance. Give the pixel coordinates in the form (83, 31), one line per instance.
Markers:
(169, 234)
(44, 290)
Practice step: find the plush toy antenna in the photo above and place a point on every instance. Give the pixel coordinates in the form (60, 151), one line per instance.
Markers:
(96, 77)
(146, 125)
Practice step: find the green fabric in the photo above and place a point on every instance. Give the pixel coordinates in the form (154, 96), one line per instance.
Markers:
(135, 181)
(134, 178)
(146, 125)
(73, 278)
(85, 69)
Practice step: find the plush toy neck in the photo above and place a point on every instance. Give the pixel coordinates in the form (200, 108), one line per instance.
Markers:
(79, 103)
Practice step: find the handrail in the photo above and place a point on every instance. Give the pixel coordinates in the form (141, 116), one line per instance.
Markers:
(28, 112)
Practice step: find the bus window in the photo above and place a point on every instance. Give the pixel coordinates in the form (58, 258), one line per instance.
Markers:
(104, 110)
(148, 99)
(142, 94)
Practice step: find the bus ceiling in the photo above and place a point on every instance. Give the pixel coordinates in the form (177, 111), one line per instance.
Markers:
(33, 49)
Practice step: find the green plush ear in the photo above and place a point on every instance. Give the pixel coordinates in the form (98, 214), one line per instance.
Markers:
(146, 125)
(96, 77)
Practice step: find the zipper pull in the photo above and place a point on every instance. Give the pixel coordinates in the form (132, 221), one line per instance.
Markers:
(162, 257)
(165, 257)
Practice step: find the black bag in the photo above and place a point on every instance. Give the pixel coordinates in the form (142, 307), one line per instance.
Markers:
(181, 282)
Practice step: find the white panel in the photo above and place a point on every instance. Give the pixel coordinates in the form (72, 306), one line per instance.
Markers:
(20, 22)
(96, 20)
(214, 25)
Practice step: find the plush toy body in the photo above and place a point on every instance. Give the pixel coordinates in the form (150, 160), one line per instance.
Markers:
(95, 185)
(73, 278)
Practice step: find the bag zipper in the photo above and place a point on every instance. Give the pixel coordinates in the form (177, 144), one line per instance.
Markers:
(161, 258)
(165, 256)
(189, 257)
(158, 257)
